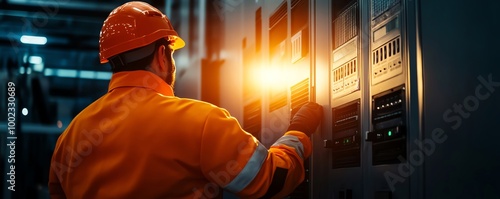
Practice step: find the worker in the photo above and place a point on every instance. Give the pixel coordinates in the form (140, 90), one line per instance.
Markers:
(140, 141)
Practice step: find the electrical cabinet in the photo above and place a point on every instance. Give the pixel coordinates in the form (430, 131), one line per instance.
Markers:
(407, 92)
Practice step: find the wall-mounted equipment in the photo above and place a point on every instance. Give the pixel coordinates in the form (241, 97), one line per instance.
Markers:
(389, 126)
(386, 50)
(345, 67)
(386, 57)
(346, 135)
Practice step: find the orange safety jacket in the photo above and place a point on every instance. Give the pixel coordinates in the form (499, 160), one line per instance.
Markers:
(140, 141)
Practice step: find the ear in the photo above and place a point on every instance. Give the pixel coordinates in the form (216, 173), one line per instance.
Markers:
(161, 59)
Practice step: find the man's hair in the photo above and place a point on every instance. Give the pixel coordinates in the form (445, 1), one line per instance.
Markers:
(137, 59)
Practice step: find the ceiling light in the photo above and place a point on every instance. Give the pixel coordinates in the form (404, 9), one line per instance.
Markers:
(35, 60)
(66, 73)
(37, 40)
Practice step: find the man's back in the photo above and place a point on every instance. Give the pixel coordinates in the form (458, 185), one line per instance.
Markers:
(133, 143)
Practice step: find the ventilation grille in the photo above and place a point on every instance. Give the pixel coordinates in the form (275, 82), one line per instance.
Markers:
(380, 6)
(278, 14)
(299, 15)
(386, 51)
(345, 26)
(278, 26)
(386, 61)
(278, 100)
(296, 46)
(300, 93)
(348, 69)
(252, 114)
(346, 78)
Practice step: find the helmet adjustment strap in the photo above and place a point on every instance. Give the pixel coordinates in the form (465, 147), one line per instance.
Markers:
(132, 56)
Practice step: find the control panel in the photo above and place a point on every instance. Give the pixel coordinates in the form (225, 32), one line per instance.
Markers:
(346, 135)
(389, 126)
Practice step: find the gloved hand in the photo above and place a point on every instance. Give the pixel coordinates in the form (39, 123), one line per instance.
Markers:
(307, 118)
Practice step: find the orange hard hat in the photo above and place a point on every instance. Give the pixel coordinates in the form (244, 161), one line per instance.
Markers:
(132, 25)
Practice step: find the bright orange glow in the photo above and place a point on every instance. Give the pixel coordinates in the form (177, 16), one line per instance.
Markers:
(269, 77)
(263, 77)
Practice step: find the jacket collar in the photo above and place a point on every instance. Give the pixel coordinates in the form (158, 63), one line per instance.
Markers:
(142, 79)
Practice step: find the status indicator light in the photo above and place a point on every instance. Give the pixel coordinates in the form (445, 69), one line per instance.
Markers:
(346, 141)
(389, 133)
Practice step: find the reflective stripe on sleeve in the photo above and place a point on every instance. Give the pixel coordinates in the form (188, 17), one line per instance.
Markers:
(291, 141)
(250, 170)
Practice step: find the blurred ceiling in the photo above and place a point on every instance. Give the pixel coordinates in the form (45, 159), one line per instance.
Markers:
(69, 59)
(67, 24)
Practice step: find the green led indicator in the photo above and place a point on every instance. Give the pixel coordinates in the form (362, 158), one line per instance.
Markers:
(389, 133)
(346, 141)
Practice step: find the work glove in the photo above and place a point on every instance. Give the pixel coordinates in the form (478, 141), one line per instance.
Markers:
(307, 118)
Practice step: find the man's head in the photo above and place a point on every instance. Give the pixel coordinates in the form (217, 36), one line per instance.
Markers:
(137, 36)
